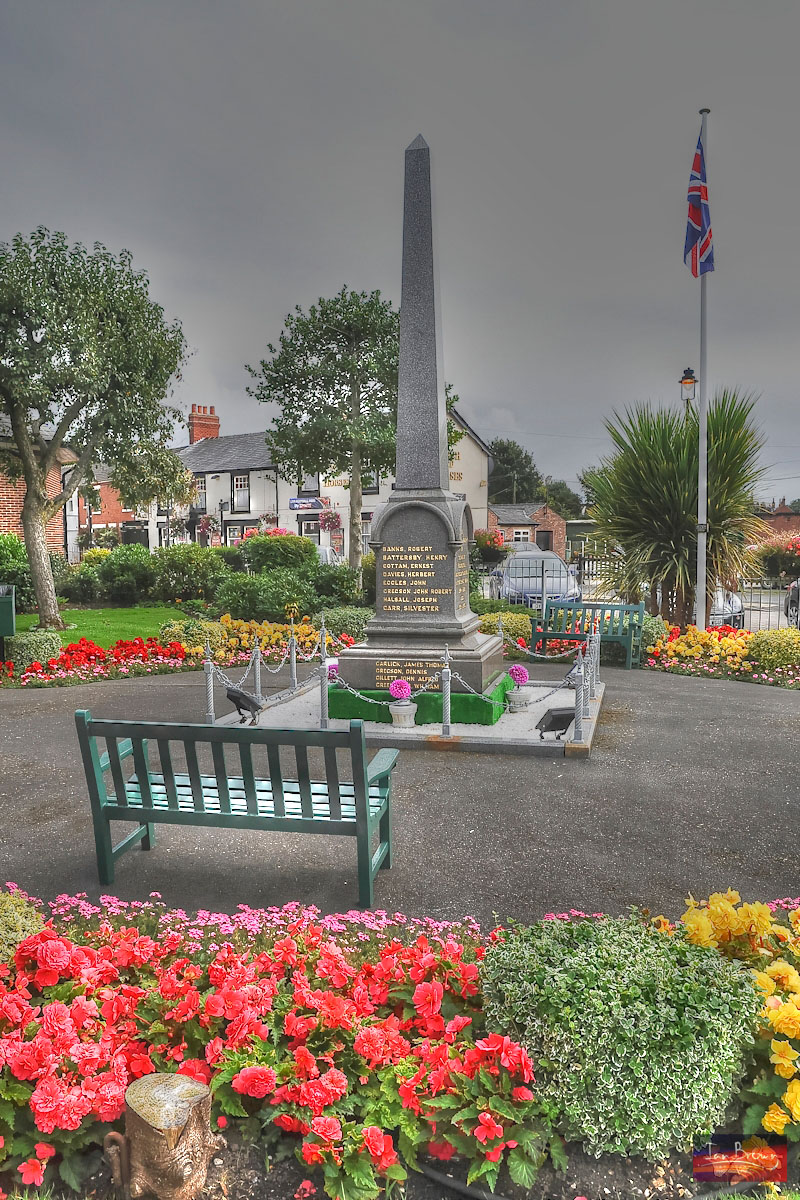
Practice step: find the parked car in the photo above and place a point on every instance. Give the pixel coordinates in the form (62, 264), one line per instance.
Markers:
(727, 608)
(524, 575)
(791, 604)
(328, 556)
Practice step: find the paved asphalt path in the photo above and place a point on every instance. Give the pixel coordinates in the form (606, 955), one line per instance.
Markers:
(693, 785)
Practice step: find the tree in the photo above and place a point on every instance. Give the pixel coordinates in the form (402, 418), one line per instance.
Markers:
(334, 380)
(645, 500)
(86, 362)
(514, 478)
(586, 480)
(558, 495)
(794, 505)
(155, 473)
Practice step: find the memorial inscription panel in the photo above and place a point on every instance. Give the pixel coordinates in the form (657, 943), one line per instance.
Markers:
(414, 579)
(417, 671)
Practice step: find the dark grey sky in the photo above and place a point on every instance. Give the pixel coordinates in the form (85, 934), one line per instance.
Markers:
(250, 155)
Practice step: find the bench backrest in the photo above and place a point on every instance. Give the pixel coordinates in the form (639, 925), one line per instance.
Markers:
(613, 620)
(138, 740)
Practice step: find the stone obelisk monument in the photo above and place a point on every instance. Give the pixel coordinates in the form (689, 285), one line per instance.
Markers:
(421, 534)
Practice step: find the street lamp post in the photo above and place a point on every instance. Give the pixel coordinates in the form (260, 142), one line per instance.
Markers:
(688, 385)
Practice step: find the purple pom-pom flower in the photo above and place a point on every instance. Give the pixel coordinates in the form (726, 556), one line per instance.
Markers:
(400, 689)
(518, 673)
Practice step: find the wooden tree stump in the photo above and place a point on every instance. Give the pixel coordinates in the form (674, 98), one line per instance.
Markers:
(168, 1142)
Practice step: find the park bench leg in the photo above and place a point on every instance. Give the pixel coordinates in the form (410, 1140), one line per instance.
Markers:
(105, 853)
(629, 655)
(149, 839)
(365, 881)
(385, 828)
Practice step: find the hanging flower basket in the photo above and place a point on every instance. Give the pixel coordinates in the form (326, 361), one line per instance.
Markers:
(329, 521)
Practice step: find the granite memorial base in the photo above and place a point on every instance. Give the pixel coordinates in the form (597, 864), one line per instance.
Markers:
(370, 667)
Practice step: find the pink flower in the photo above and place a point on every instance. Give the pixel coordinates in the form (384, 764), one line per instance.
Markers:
(254, 1081)
(400, 689)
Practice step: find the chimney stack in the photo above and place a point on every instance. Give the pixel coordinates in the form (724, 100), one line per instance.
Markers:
(203, 423)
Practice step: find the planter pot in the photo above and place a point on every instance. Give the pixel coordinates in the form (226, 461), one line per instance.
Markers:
(403, 713)
(518, 699)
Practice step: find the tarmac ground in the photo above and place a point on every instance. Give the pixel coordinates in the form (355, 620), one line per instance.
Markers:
(692, 786)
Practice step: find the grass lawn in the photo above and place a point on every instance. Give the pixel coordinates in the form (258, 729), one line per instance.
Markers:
(106, 625)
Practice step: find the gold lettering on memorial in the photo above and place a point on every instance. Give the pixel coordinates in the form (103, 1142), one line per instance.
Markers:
(408, 574)
(416, 671)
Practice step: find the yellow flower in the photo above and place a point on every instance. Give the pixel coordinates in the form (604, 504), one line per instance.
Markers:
(756, 919)
(724, 917)
(786, 1019)
(791, 1098)
(775, 1119)
(783, 1058)
(662, 924)
(784, 974)
(700, 930)
(794, 920)
(766, 984)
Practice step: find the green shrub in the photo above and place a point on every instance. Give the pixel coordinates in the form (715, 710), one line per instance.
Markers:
(19, 919)
(346, 619)
(515, 625)
(480, 605)
(12, 551)
(368, 580)
(82, 583)
(37, 645)
(193, 633)
(265, 597)
(232, 556)
(187, 572)
(263, 552)
(19, 575)
(639, 1038)
(95, 556)
(772, 648)
(60, 569)
(653, 628)
(127, 573)
(335, 584)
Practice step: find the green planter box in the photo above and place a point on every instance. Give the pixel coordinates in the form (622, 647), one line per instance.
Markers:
(465, 708)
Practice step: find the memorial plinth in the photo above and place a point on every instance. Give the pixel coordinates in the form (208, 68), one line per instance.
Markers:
(421, 535)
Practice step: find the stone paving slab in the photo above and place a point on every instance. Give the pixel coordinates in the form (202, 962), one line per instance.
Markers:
(515, 733)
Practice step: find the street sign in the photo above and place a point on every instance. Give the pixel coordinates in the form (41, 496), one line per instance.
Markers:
(308, 503)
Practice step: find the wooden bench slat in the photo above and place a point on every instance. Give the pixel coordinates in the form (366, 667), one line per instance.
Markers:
(276, 776)
(303, 779)
(220, 771)
(167, 771)
(194, 775)
(248, 779)
(116, 769)
(332, 776)
(142, 768)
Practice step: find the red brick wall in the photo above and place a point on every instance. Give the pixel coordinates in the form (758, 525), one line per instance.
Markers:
(111, 510)
(11, 498)
(541, 520)
(784, 522)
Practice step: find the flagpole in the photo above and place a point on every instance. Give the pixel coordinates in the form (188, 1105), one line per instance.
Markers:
(702, 468)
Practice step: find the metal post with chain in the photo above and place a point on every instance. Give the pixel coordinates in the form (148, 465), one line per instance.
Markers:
(446, 677)
(323, 675)
(208, 667)
(577, 735)
(257, 675)
(292, 658)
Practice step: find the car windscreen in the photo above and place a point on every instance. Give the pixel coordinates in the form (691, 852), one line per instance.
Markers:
(531, 569)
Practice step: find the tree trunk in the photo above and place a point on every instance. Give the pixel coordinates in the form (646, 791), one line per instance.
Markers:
(356, 496)
(653, 608)
(33, 524)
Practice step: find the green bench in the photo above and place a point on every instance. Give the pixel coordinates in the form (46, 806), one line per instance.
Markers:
(252, 795)
(574, 620)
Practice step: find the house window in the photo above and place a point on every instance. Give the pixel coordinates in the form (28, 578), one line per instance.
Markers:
(200, 499)
(544, 539)
(309, 529)
(366, 532)
(309, 486)
(374, 486)
(240, 493)
(522, 535)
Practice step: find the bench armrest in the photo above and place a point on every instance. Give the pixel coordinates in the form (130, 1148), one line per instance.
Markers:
(125, 751)
(381, 765)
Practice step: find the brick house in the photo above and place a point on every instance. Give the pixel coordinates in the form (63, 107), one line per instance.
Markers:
(782, 519)
(530, 524)
(58, 531)
(110, 513)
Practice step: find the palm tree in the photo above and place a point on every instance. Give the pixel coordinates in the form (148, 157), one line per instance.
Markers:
(645, 500)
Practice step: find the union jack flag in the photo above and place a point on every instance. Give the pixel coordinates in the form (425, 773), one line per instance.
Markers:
(698, 252)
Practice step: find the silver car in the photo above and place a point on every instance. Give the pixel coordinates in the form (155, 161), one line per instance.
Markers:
(526, 575)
